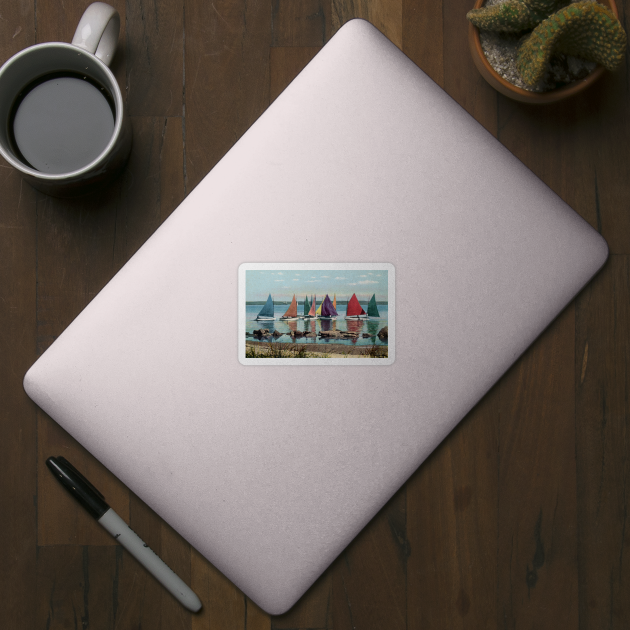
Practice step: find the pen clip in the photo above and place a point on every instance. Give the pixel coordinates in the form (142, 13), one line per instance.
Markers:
(62, 460)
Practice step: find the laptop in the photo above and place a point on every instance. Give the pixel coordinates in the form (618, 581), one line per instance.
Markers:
(268, 434)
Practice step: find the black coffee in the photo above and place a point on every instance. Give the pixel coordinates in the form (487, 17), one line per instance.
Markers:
(61, 123)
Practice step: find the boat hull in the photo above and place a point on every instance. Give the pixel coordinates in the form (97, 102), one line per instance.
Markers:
(265, 319)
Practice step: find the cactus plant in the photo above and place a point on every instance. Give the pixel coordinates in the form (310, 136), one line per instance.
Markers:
(513, 16)
(583, 29)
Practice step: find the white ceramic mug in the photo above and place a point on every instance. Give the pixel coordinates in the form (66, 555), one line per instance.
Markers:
(87, 58)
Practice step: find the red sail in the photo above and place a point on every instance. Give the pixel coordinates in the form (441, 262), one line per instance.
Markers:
(354, 308)
(292, 310)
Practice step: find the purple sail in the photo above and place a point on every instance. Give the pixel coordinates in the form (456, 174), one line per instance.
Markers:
(328, 310)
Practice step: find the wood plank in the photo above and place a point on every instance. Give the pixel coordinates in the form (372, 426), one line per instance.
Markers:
(603, 468)
(226, 78)
(461, 78)
(452, 526)
(154, 57)
(142, 600)
(18, 416)
(369, 577)
(300, 22)
(313, 609)
(76, 587)
(608, 127)
(558, 147)
(224, 606)
(18, 421)
(152, 185)
(17, 28)
(537, 537)
(386, 15)
(285, 64)
(423, 36)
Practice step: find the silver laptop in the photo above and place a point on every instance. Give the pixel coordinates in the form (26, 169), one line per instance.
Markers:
(267, 434)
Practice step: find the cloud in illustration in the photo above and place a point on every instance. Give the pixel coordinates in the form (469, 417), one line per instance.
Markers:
(342, 282)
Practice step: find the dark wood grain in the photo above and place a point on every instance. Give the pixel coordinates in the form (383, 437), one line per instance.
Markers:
(461, 79)
(226, 78)
(285, 64)
(452, 516)
(313, 610)
(537, 537)
(602, 380)
(304, 23)
(422, 36)
(76, 587)
(519, 519)
(18, 416)
(154, 57)
(369, 577)
(386, 15)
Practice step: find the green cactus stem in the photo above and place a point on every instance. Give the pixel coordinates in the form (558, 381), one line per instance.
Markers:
(513, 16)
(583, 29)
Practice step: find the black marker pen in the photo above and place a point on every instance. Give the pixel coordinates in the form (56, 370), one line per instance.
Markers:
(94, 502)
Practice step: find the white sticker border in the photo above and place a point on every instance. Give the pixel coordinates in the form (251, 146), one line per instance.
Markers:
(391, 312)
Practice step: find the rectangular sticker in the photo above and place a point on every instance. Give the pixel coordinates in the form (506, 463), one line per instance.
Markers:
(316, 313)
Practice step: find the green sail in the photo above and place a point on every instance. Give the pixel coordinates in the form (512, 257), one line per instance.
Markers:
(307, 306)
(372, 308)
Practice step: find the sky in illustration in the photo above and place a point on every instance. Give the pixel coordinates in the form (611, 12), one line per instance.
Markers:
(283, 283)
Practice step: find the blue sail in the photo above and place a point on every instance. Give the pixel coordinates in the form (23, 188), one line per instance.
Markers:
(267, 309)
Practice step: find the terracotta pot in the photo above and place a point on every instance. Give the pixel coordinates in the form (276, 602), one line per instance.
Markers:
(518, 94)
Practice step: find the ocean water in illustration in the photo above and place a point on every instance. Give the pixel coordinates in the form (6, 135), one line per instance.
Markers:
(370, 327)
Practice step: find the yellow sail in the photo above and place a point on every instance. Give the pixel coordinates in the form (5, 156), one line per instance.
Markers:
(335, 301)
(319, 310)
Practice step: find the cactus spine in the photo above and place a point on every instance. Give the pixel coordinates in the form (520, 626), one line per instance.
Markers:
(583, 29)
(513, 16)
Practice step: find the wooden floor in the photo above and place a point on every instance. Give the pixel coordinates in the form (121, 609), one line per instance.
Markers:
(518, 520)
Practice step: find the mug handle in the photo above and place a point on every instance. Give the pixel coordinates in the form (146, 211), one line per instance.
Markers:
(98, 30)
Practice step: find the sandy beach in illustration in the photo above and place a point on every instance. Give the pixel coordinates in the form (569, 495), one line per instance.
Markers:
(321, 351)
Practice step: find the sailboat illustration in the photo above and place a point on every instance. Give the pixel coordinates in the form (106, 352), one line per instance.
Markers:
(312, 314)
(373, 309)
(354, 309)
(267, 311)
(328, 311)
(307, 307)
(291, 313)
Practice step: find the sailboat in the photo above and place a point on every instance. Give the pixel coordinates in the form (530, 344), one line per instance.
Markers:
(312, 314)
(307, 307)
(328, 310)
(266, 312)
(291, 313)
(373, 309)
(354, 309)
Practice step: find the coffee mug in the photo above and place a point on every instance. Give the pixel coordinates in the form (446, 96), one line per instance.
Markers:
(62, 114)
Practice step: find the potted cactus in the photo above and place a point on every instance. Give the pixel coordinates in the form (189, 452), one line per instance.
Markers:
(558, 49)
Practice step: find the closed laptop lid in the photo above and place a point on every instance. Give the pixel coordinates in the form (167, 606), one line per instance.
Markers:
(362, 165)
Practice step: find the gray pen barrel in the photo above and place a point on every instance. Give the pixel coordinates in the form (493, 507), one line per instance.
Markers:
(149, 559)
